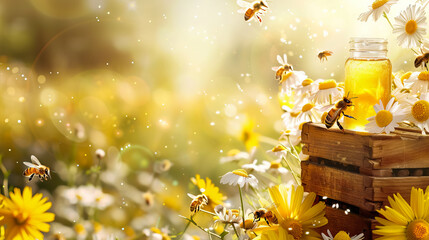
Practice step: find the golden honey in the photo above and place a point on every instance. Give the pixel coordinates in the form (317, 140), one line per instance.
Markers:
(367, 80)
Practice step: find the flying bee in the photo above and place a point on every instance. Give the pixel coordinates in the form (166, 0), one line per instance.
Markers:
(268, 215)
(335, 113)
(323, 56)
(284, 66)
(422, 59)
(250, 10)
(198, 202)
(36, 168)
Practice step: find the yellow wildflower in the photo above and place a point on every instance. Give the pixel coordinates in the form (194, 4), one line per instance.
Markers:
(24, 215)
(210, 190)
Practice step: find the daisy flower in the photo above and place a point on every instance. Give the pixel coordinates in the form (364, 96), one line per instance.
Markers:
(342, 235)
(291, 79)
(231, 216)
(411, 26)
(210, 190)
(297, 216)
(308, 113)
(274, 167)
(239, 177)
(305, 89)
(401, 86)
(290, 118)
(254, 166)
(419, 82)
(24, 215)
(418, 113)
(376, 9)
(328, 92)
(425, 45)
(385, 119)
(234, 155)
(403, 220)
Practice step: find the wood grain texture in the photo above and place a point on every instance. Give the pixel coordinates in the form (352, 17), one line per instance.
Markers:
(403, 149)
(350, 223)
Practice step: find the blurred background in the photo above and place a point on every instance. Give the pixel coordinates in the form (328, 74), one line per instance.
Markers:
(154, 80)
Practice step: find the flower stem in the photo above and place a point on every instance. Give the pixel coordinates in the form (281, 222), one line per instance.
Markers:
(242, 205)
(235, 230)
(5, 178)
(387, 18)
(202, 210)
(184, 230)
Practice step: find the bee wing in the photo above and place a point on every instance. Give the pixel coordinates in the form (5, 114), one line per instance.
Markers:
(30, 165)
(243, 4)
(285, 58)
(191, 196)
(280, 60)
(241, 10)
(35, 160)
(326, 108)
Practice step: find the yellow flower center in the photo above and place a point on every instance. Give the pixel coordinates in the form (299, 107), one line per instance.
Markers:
(383, 118)
(97, 227)
(129, 231)
(233, 152)
(155, 230)
(331, 83)
(341, 235)
(420, 110)
(294, 228)
(286, 76)
(405, 76)
(307, 107)
(418, 230)
(248, 224)
(307, 82)
(424, 76)
(294, 114)
(20, 217)
(278, 148)
(241, 172)
(411, 27)
(378, 3)
(275, 165)
(79, 228)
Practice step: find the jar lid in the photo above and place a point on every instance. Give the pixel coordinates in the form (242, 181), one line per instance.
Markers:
(368, 44)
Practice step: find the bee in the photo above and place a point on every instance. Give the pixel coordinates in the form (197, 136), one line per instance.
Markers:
(284, 66)
(198, 202)
(422, 59)
(36, 168)
(268, 215)
(323, 56)
(335, 113)
(250, 10)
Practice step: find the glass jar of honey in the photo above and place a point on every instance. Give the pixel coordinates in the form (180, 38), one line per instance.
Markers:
(368, 79)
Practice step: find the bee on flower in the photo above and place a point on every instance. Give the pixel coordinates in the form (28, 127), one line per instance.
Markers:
(283, 68)
(410, 25)
(377, 8)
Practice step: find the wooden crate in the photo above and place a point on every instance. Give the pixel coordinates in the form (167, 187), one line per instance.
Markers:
(351, 223)
(362, 170)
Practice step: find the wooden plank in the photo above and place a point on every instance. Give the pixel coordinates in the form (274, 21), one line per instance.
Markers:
(336, 184)
(404, 149)
(350, 223)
